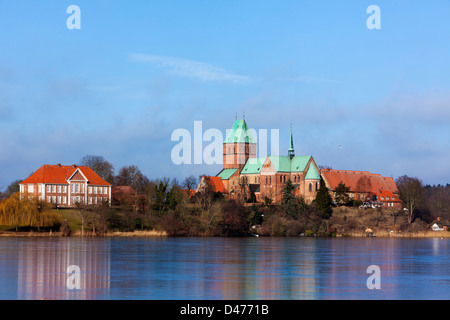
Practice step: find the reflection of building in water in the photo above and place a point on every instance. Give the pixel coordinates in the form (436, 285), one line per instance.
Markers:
(43, 267)
(270, 269)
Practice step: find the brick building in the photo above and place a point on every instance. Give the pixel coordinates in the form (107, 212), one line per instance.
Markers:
(65, 186)
(364, 186)
(244, 175)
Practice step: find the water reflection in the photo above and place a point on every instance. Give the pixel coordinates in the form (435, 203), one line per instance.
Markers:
(224, 268)
(42, 268)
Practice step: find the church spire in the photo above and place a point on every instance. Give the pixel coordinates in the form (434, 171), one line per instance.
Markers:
(291, 151)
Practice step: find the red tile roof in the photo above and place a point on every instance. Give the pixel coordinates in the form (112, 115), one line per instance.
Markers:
(216, 184)
(58, 174)
(375, 182)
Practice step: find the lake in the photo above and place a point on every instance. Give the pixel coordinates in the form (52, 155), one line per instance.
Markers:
(224, 268)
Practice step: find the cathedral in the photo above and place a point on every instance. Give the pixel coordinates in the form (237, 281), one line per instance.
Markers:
(245, 176)
(263, 179)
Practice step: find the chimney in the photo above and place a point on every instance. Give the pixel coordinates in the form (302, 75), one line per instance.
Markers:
(74, 166)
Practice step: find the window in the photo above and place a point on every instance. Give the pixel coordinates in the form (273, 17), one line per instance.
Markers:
(49, 199)
(22, 189)
(72, 187)
(270, 179)
(49, 188)
(77, 188)
(281, 179)
(53, 188)
(64, 200)
(310, 187)
(82, 188)
(100, 190)
(89, 200)
(95, 190)
(30, 188)
(40, 188)
(59, 199)
(266, 179)
(89, 189)
(64, 189)
(317, 186)
(59, 189)
(53, 199)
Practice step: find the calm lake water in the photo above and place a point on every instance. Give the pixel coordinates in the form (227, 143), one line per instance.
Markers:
(224, 268)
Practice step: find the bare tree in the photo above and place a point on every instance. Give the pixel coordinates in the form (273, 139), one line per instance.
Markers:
(412, 193)
(363, 186)
(100, 166)
(13, 188)
(133, 177)
(190, 183)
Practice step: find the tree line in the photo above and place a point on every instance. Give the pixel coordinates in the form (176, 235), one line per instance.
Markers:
(167, 205)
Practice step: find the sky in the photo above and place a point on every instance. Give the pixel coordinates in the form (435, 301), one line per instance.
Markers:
(136, 71)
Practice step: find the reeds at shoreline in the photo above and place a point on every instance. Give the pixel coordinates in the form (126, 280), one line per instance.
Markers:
(154, 233)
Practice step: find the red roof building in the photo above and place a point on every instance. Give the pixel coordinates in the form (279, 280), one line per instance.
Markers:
(214, 183)
(364, 186)
(65, 186)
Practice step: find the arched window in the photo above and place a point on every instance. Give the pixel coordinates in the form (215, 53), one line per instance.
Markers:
(317, 185)
(310, 187)
(266, 179)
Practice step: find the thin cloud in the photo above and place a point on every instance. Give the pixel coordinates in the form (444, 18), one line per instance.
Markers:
(307, 79)
(190, 68)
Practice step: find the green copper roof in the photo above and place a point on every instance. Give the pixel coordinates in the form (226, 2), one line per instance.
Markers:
(239, 133)
(253, 166)
(286, 164)
(291, 146)
(312, 173)
(225, 174)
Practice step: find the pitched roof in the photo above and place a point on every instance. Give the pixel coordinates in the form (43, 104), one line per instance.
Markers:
(312, 173)
(226, 174)
(58, 174)
(286, 164)
(215, 184)
(239, 133)
(253, 166)
(374, 183)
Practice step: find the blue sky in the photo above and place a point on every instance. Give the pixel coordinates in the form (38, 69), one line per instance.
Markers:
(137, 71)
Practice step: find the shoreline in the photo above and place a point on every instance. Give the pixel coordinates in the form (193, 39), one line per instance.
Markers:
(163, 234)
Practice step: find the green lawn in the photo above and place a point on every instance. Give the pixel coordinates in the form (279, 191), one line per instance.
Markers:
(72, 216)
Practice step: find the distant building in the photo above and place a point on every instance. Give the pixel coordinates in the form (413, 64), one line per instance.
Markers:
(214, 184)
(65, 186)
(244, 176)
(364, 186)
(122, 194)
(440, 224)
